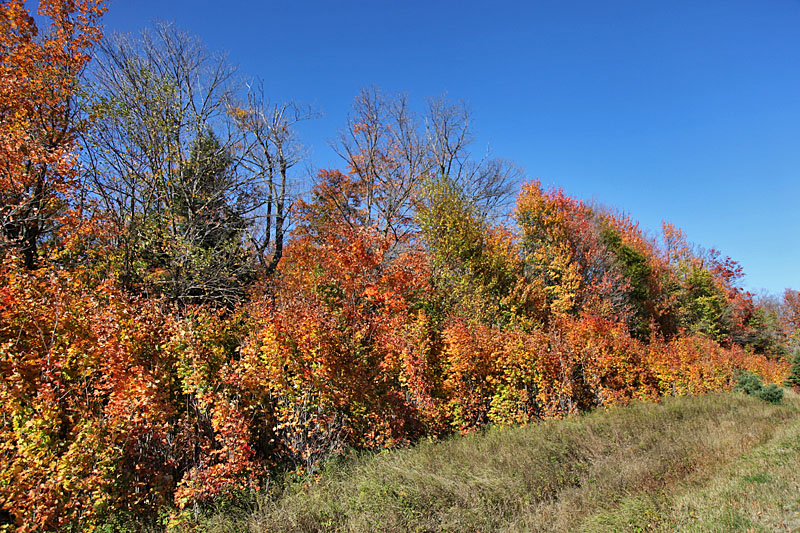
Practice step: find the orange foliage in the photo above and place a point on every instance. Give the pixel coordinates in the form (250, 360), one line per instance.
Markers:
(83, 385)
(112, 405)
(334, 351)
(38, 181)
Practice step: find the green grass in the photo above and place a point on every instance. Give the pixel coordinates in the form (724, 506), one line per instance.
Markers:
(757, 491)
(686, 463)
(760, 491)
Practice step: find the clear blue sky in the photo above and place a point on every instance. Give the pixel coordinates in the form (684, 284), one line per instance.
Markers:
(684, 111)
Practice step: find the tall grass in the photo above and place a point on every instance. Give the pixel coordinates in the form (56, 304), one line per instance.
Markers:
(759, 491)
(558, 475)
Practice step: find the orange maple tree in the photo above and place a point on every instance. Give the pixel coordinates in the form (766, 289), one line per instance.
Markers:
(39, 72)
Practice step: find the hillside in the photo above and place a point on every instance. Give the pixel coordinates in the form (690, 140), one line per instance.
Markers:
(726, 462)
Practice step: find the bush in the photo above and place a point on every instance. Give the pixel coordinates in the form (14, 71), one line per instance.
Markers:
(750, 383)
(771, 393)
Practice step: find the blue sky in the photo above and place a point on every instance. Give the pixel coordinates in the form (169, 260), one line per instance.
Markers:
(680, 111)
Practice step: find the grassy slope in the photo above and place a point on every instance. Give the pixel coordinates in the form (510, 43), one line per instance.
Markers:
(687, 462)
(759, 491)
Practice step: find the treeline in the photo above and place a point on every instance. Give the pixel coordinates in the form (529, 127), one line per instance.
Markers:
(176, 324)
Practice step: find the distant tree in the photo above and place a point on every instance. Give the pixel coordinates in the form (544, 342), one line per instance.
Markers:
(704, 305)
(793, 379)
(702, 291)
(791, 317)
(763, 332)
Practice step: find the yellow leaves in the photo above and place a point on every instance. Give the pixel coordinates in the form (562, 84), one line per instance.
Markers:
(36, 144)
(270, 348)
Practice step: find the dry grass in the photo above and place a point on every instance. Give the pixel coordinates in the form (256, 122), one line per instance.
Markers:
(610, 470)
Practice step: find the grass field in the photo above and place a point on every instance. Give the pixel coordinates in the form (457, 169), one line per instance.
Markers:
(758, 491)
(717, 462)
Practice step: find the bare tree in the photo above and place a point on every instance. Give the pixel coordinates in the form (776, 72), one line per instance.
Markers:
(382, 146)
(448, 134)
(163, 157)
(152, 96)
(271, 149)
(487, 182)
(393, 152)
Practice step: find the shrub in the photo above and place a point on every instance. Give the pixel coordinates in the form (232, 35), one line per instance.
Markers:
(748, 383)
(771, 393)
(793, 379)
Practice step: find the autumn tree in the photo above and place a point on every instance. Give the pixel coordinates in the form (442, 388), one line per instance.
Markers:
(475, 263)
(40, 71)
(702, 291)
(164, 159)
(332, 353)
(568, 254)
(391, 151)
(791, 315)
(763, 331)
(637, 270)
(790, 322)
